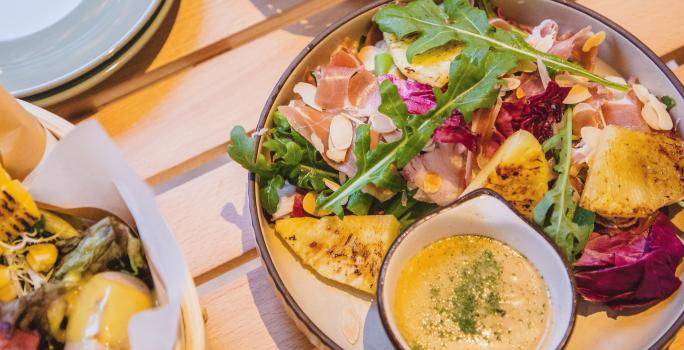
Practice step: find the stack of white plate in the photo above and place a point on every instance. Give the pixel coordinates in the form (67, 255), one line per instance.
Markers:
(53, 50)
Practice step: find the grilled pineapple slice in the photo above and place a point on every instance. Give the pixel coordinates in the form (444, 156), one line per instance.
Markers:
(518, 171)
(633, 174)
(18, 211)
(349, 250)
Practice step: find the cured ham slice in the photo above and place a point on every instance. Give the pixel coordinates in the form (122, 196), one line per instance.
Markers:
(625, 112)
(310, 123)
(314, 126)
(439, 174)
(566, 44)
(334, 79)
(364, 92)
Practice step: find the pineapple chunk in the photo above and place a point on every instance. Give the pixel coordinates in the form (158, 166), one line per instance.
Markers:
(633, 174)
(18, 211)
(518, 171)
(349, 250)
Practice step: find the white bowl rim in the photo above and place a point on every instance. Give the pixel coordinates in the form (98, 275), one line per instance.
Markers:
(382, 304)
(256, 213)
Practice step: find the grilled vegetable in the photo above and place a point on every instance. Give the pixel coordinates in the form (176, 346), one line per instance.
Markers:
(56, 225)
(431, 67)
(18, 211)
(518, 171)
(633, 174)
(348, 250)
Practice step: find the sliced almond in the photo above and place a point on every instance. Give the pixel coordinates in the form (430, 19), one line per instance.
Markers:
(594, 41)
(331, 184)
(336, 155)
(641, 93)
(367, 56)
(578, 93)
(341, 133)
(394, 136)
(656, 115)
(545, 43)
(317, 143)
(510, 84)
(618, 80)
(581, 108)
(308, 93)
(569, 80)
(381, 123)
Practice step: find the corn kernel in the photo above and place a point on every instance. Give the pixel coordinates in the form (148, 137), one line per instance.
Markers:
(596, 40)
(309, 204)
(5, 277)
(432, 183)
(41, 257)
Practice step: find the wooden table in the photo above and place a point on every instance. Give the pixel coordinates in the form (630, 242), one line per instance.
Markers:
(211, 67)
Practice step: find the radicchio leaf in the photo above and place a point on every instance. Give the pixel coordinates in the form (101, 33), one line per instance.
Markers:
(629, 270)
(536, 114)
(454, 130)
(418, 97)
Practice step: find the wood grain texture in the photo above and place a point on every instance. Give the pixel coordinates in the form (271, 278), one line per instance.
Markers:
(658, 23)
(245, 314)
(201, 105)
(210, 217)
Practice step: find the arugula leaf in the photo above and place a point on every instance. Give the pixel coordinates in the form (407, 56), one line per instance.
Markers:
(268, 194)
(434, 26)
(292, 158)
(474, 74)
(241, 149)
(486, 5)
(360, 203)
(563, 220)
(410, 211)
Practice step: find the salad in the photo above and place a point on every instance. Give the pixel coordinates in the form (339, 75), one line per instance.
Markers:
(66, 281)
(438, 100)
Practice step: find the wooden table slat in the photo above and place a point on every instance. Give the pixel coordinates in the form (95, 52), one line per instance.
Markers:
(658, 23)
(245, 314)
(147, 124)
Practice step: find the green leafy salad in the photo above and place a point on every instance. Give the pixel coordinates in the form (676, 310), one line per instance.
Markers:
(438, 100)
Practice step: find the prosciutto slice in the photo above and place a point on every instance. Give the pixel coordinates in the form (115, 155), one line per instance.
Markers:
(567, 43)
(314, 126)
(447, 163)
(625, 112)
(364, 93)
(334, 79)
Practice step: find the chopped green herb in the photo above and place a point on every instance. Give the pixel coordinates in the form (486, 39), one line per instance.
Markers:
(669, 102)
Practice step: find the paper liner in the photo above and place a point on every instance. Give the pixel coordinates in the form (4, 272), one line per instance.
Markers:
(22, 137)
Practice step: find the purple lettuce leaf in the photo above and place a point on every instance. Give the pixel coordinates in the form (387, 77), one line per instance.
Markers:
(419, 97)
(629, 270)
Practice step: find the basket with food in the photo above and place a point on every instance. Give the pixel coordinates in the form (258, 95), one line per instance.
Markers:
(86, 261)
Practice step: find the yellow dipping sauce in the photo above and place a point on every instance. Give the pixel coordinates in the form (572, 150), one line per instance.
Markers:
(471, 292)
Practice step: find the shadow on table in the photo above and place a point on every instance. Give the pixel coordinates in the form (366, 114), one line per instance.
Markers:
(312, 25)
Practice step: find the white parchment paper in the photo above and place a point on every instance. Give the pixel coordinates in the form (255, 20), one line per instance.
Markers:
(85, 170)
